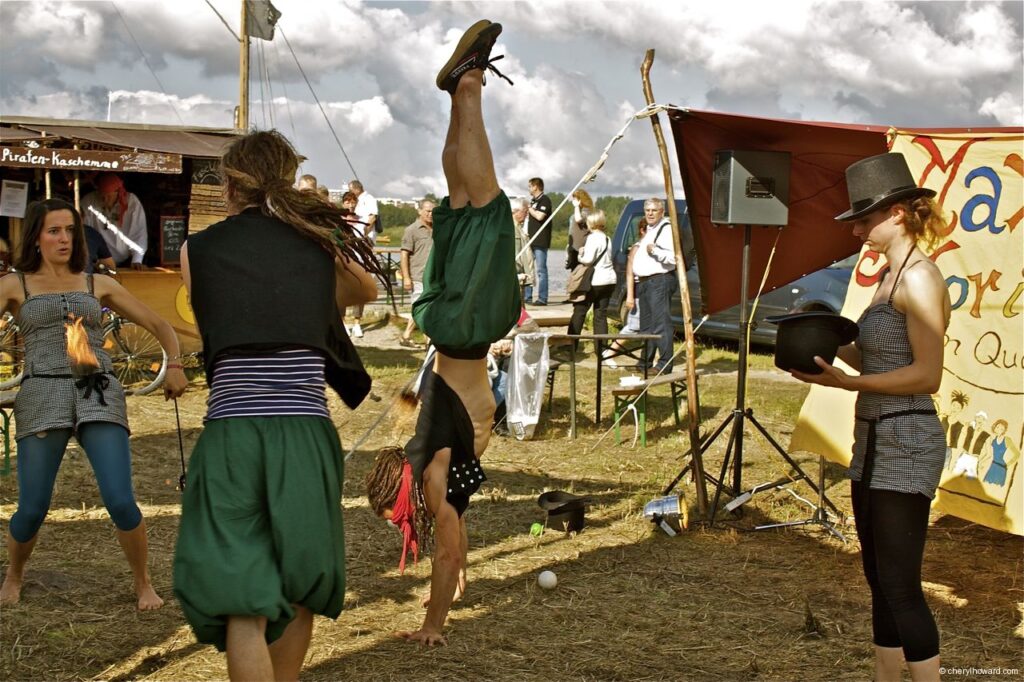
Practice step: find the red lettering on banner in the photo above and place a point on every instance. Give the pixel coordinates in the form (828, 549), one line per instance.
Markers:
(950, 167)
(981, 288)
(1015, 163)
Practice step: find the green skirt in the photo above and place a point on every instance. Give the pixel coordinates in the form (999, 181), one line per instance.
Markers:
(470, 291)
(261, 524)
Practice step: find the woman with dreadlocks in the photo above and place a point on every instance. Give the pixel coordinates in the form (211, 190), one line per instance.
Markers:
(470, 299)
(261, 544)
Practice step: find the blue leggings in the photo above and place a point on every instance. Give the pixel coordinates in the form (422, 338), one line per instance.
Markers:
(106, 445)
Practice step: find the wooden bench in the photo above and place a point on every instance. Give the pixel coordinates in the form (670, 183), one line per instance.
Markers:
(6, 403)
(625, 398)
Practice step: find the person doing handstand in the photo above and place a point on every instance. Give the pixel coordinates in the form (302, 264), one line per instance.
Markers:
(470, 299)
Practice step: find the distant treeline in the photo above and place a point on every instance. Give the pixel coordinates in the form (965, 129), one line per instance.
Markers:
(395, 218)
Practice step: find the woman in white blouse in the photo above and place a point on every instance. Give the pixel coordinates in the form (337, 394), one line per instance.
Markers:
(597, 250)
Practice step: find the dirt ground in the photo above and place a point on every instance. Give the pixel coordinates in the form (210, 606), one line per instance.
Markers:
(631, 603)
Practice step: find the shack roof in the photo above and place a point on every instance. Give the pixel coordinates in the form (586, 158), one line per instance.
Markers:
(190, 141)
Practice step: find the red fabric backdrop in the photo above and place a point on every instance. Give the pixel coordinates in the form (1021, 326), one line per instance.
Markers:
(817, 192)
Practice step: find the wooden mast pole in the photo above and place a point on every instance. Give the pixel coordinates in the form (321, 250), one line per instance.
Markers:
(242, 122)
(692, 397)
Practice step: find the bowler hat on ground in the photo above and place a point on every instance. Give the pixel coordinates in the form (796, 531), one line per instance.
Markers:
(803, 335)
(878, 181)
(565, 510)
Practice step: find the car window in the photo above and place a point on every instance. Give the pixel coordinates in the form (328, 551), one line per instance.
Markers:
(631, 234)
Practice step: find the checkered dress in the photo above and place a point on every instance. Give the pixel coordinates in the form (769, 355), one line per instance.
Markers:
(44, 403)
(909, 449)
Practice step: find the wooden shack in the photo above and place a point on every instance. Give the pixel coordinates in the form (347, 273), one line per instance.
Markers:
(171, 169)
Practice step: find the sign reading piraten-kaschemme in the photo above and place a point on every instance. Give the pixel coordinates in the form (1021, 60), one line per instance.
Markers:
(75, 159)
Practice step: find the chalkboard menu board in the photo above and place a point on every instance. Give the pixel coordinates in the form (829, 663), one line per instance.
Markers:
(173, 230)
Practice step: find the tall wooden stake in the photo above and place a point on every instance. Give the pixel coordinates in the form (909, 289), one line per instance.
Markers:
(243, 70)
(692, 397)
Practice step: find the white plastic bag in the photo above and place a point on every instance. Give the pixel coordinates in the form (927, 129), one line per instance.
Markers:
(527, 378)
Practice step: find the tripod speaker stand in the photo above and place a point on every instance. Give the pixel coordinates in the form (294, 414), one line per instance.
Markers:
(742, 414)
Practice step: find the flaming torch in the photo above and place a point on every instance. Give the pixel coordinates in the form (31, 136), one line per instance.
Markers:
(83, 360)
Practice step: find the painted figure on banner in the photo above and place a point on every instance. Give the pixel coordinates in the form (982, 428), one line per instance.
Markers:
(978, 178)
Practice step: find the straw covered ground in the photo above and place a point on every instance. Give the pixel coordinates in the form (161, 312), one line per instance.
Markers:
(631, 602)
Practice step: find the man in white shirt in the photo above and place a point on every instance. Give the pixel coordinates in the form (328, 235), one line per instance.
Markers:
(118, 216)
(654, 267)
(366, 209)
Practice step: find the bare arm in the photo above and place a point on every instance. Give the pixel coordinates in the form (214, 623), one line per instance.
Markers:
(630, 284)
(924, 299)
(115, 296)
(10, 293)
(353, 284)
(406, 271)
(449, 551)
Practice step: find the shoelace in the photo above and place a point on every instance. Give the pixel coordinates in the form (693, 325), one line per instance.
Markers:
(491, 67)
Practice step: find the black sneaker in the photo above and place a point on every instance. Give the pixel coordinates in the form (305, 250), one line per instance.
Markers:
(472, 52)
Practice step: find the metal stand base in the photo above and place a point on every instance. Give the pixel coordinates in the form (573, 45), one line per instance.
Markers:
(820, 515)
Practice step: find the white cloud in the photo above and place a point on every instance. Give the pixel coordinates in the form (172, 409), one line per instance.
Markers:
(1005, 108)
(574, 65)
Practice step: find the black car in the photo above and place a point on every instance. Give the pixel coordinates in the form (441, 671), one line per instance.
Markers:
(824, 290)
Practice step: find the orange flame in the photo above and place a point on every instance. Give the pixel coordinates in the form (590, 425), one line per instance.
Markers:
(81, 355)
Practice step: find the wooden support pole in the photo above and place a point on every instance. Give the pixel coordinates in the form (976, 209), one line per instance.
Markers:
(78, 190)
(692, 396)
(242, 122)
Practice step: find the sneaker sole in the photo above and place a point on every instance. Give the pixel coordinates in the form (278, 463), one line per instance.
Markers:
(468, 38)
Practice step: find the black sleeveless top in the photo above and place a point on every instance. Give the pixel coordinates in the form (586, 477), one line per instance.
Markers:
(260, 285)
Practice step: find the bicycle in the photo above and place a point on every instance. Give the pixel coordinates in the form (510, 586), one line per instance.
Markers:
(139, 361)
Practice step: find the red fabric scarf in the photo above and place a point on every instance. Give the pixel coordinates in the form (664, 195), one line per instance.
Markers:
(403, 516)
(110, 183)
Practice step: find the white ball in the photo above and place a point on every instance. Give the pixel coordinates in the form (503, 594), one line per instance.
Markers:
(547, 580)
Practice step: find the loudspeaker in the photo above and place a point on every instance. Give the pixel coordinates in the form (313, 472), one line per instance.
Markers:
(750, 188)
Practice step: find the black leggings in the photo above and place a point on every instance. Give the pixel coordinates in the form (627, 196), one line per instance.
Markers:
(891, 527)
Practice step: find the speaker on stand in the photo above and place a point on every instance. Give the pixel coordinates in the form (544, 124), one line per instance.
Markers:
(752, 188)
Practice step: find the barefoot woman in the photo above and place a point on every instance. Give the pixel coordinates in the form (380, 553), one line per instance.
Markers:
(51, 406)
(899, 445)
(470, 299)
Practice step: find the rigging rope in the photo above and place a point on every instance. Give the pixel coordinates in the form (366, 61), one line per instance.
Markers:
(149, 66)
(310, 85)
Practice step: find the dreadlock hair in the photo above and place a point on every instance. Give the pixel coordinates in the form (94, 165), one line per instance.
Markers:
(258, 169)
(383, 482)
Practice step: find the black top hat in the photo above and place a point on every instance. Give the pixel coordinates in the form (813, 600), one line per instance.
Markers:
(565, 510)
(803, 335)
(879, 181)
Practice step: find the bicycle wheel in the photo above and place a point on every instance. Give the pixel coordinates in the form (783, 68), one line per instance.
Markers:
(139, 361)
(12, 353)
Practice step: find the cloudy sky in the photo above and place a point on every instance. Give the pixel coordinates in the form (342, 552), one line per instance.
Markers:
(575, 65)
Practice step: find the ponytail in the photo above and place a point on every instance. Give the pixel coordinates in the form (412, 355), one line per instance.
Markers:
(923, 220)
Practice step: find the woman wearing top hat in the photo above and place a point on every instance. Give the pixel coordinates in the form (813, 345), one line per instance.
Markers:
(899, 446)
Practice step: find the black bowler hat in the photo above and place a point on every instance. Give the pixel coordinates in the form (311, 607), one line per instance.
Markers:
(803, 335)
(565, 510)
(879, 181)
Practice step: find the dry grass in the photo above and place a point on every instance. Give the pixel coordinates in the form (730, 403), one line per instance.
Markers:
(631, 603)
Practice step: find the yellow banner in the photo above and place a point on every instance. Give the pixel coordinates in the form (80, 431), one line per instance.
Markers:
(979, 178)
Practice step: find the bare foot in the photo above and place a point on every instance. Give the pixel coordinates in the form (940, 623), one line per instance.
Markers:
(10, 593)
(149, 600)
(424, 637)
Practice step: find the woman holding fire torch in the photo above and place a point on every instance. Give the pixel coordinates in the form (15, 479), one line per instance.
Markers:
(59, 310)
(899, 446)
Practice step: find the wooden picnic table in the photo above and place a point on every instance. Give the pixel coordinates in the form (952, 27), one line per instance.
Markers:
(599, 342)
